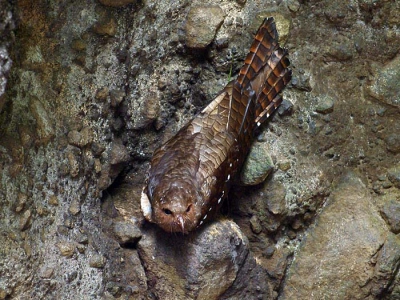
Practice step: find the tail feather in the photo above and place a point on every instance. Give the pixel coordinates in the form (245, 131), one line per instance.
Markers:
(265, 71)
(278, 77)
(265, 42)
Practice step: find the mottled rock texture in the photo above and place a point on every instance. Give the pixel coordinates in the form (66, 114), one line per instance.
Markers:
(95, 87)
(339, 247)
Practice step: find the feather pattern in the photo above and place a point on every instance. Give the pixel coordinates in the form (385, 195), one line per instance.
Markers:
(190, 175)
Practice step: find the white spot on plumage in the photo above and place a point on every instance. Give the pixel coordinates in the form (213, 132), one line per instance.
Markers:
(229, 177)
(230, 165)
(210, 208)
(219, 200)
(258, 123)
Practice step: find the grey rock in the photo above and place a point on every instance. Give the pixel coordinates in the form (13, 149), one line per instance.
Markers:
(258, 165)
(255, 224)
(347, 233)
(387, 264)
(74, 207)
(82, 138)
(325, 105)
(126, 233)
(97, 261)
(119, 154)
(44, 123)
(66, 248)
(102, 94)
(73, 163)
(116, 97)
(25, 221)
(275, 194)
(391, 213)
(293, 5)
(147, 111)
(341, 49)
(301, 82)
(384, 85)
(394, 175)
(202, 24)
(208, 261)
(107, 26)
(393, 142)
(286, 108)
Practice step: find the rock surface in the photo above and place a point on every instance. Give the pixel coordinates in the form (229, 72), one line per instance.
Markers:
(96, 86)
(202, 24)
(258, 165)
(339, 248)
(384, 87)
(208, 262)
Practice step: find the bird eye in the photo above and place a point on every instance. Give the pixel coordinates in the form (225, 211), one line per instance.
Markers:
(167, 211)
(188, 208)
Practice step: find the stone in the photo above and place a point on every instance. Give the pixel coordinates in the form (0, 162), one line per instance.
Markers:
(117, 3)
(25, 220)
(74, 207)
(53, 200)
(208, 260)
(390, 211)
(384, 85)
(325, 105)
(286, 108)
(82, 138)
(341, 49)
(86, 136)
(126, 233)
(73, 164)
(26, 135)
(202, 24)
(258, 165)
(255, 225)
(78, 45)
(394, 175)
(97, 261)
(119, 154)
(44, 123)
(146, 112)
(46, 272)
(22, 199)
(275, 194)
(107, 26)
(66, 248)
(293, 5)
(347, 234)
(392, 142)
(387, 264)
(116, 97)
(102, 94)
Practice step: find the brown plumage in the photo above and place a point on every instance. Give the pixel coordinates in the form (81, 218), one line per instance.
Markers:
(190, 174)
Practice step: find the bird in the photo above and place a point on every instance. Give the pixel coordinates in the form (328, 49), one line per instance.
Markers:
(190, 175)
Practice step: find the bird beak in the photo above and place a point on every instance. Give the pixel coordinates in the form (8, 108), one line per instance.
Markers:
(181, 223)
